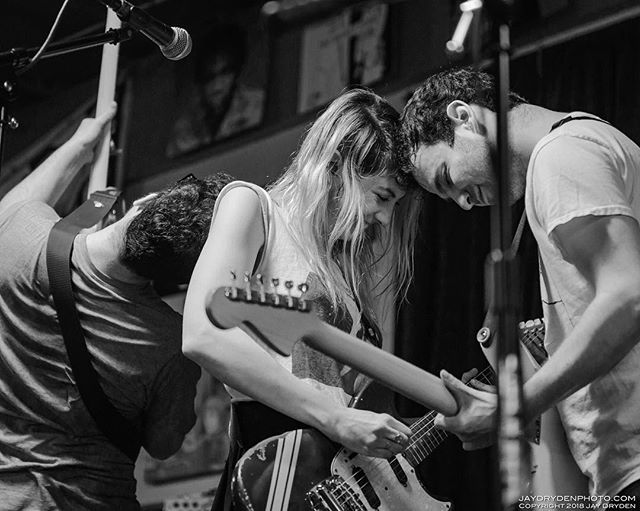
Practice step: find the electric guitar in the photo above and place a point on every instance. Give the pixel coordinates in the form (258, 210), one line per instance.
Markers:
(554, 471)
(304, 470)
(279, 321)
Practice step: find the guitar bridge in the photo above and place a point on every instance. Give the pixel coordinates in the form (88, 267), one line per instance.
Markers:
(334, 494)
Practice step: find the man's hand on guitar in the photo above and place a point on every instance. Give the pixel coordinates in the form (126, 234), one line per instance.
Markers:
(90, 133)
(469, 378)
(368, 433)
(474, 424)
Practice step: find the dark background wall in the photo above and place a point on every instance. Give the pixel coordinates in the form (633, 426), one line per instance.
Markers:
(556, 65)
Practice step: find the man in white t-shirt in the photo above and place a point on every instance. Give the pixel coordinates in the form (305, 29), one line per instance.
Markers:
(581, 181)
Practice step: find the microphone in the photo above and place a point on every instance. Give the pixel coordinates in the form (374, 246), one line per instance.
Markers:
(174, 42)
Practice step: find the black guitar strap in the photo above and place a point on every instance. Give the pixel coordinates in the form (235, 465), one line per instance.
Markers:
(120, 431)
(570, 118)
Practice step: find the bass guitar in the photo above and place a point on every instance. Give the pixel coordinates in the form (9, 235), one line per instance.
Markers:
(280, 321)
(553, 469)
(304, 470)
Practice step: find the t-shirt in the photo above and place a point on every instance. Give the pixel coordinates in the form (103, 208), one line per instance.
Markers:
(282, 258)
(587, 167)
(52, 454)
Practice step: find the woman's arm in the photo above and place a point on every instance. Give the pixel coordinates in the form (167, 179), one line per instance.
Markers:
(234, 240)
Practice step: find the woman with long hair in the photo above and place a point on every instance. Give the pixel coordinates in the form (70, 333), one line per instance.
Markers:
(342, 206)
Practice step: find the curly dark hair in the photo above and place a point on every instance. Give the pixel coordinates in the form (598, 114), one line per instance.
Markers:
(424, 118)
(164, 240)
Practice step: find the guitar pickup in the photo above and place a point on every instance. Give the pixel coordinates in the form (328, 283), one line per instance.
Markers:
(366, 488)
(398, 471)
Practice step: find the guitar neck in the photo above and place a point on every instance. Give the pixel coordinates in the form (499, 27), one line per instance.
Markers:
(425, 437)
(106, 94)
(395, 373)
(280, 321)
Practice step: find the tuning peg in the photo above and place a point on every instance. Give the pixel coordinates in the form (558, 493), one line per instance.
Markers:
(274, 285)
(247, 286)
(260, 280)
(233, 289)
(289, 286)
(302, 302)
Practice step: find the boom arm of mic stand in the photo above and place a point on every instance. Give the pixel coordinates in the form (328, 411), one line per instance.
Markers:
(16, 58)
(19, 57)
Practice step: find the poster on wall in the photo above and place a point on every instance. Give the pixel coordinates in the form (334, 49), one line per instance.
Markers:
(223, 92)
(347, 49)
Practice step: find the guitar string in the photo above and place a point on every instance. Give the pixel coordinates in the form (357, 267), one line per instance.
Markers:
(485, 375)
(426, 428)
(421, 435)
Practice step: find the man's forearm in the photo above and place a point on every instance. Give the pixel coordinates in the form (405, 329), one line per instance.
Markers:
(49, 180)
(607, 331)
(52, 178)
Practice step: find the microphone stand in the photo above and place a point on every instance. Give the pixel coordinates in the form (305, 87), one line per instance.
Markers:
(514, 465)
(13, 60)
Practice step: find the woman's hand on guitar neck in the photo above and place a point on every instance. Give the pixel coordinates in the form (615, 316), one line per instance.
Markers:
(474, 424)
(368, 433)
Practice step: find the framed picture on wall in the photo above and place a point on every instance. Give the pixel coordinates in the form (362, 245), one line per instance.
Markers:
(347, 49)
(223, 91)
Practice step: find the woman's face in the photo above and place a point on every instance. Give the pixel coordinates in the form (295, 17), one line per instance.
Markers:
(381, 195)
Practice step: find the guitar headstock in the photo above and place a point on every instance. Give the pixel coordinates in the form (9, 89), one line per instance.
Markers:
(278, 319)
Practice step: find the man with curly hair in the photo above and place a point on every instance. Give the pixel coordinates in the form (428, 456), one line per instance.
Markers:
(580, 177)
(52, 453)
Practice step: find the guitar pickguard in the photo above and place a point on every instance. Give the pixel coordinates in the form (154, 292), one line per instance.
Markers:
(304, 470)
(362, 482)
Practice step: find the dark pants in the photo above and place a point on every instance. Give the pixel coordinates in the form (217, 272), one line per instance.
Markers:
(251, 423)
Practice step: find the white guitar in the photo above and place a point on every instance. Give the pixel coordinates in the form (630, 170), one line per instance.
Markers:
(554, 471)
(280, 321)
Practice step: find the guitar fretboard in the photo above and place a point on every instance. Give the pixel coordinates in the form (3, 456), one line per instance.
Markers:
(425, 437)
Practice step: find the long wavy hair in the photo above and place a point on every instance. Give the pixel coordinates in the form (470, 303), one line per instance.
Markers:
(322, 196)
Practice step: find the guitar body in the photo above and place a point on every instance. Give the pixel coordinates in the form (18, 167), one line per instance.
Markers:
(304, 470)
(553, 469)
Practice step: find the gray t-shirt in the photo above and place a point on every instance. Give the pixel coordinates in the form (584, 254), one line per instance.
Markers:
(52, 455)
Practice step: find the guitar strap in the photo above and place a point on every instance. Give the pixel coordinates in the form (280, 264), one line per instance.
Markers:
(120, 431)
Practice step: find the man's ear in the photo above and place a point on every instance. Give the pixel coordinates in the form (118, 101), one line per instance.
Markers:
(460, 114)
(143, 200)
(140, 203)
